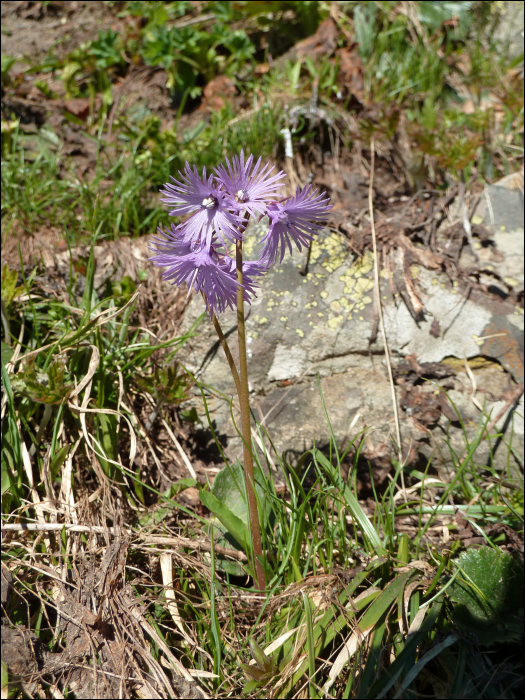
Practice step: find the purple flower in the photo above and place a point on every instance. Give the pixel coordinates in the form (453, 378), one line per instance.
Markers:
(250, 270)
(207, 204)
(293, 220)
(248, 187)
(205, 270)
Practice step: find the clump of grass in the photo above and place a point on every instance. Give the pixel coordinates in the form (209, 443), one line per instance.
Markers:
(120, 198)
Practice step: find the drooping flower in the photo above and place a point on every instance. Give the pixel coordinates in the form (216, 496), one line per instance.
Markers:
(294, 220)
(209, 271)
(248, 187)
(208, 205)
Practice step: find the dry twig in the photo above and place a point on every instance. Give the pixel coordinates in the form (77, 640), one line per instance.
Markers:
(379, 307)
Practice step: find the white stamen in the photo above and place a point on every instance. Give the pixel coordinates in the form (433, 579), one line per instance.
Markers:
(190, 286)
(209, 203)
(241, 195)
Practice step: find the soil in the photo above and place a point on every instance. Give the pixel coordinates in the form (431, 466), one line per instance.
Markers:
(30, 30)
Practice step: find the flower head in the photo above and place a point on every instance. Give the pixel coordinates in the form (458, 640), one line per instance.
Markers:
(219, 206)
(208, 205)
(209, 271)
(248, 187)
(295, 220)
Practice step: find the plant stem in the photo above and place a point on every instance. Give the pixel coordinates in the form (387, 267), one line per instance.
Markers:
(244, 401)
(226, 349)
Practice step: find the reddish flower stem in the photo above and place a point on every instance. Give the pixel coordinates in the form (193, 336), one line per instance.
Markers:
(244, 401)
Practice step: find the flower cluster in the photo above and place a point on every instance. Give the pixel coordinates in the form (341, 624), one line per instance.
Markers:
(219, 208)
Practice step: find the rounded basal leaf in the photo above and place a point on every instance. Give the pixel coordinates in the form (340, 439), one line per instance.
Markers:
(488, 592)
(229, 488)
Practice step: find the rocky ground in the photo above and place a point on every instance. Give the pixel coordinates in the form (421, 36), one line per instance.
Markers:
(316, 318)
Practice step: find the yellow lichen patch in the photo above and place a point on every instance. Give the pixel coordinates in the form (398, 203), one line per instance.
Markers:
(349, 283)
(368, 300)
(510, 281)
(299, 332)
(248, 246)
(294, 303)
(334, 249)
(263, 320)
(477, 339)
(414, 271)
(434, 281)
(476, 220)
(354, 277)
(363, 285)
(323, 294)
(283, 319)
(361, 318)
(385, 274)
(320, 314)
(271, 304)
(334, 322)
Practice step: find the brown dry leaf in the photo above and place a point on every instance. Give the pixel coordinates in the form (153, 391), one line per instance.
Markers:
(322, 43)
(430, 260)
(350, 74)
(78, 107)
(261, 69)
(422, 406)
(217, 93)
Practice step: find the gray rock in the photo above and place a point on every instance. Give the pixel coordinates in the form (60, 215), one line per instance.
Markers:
(319, 324)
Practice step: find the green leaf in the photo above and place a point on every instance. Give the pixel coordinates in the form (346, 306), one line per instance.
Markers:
(170, 384)
(9, 290)
(191, 416)
(48, 387)
(231, 522)
(137, 483)
(5, 670)
(368, 530)
(417, 668)
(7, 353)
(381, 604)
(488, 592)
(57, 462)
(264, 662)
(107, 437)
(229, 488)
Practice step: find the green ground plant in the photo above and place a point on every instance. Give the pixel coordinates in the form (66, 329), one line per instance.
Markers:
(393, 626)
(354, 606)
